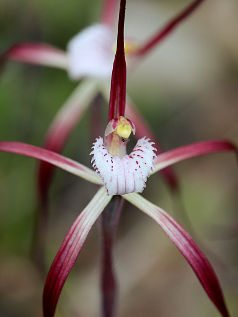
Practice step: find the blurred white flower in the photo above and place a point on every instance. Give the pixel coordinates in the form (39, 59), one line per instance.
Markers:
(90, 53)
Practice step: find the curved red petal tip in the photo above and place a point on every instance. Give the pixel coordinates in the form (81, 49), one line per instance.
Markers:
(192, 150)
(196, 259)
(69, 251)
(185, 244)
(118, 82)
(36, 53)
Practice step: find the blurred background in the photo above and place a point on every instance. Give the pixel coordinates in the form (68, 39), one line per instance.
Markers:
(187, 89)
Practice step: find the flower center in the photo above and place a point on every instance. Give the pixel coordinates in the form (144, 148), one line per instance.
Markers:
(129, 47)
(123, 128)
(116, 135)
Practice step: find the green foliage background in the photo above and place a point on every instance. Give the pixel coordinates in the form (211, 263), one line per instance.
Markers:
(177, 112)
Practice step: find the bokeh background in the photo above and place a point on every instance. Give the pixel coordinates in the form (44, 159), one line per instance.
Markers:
(187, 89)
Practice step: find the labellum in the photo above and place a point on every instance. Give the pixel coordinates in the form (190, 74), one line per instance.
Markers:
(122, 173)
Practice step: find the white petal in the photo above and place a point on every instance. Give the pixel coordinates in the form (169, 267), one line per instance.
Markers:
(127, 174)
(90, 53)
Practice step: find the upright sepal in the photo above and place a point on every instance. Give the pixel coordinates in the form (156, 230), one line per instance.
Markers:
(118, 81)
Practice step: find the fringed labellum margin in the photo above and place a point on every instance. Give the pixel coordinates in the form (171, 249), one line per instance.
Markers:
(122, 173)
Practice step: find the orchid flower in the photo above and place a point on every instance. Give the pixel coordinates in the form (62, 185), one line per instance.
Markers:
(118, 173)
(90, 55)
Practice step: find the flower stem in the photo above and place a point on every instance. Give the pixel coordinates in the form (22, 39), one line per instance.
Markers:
(109, 221)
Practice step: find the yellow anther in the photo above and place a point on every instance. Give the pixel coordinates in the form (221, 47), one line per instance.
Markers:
(129, 47)
(123, 128)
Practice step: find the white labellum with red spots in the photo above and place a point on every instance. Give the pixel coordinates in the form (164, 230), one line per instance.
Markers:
(127, 174)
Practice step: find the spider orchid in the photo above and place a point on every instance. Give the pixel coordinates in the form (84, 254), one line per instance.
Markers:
(120, 174)
(90, 55)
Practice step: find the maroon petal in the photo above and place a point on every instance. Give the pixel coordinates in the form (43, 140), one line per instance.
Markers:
(36, 53)
(53, 158)
(70, 249)
(118, 82)
(196, 149)
(166, 30)
(60, 129)
(108, 12)
(188, 248)
(143, 129)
